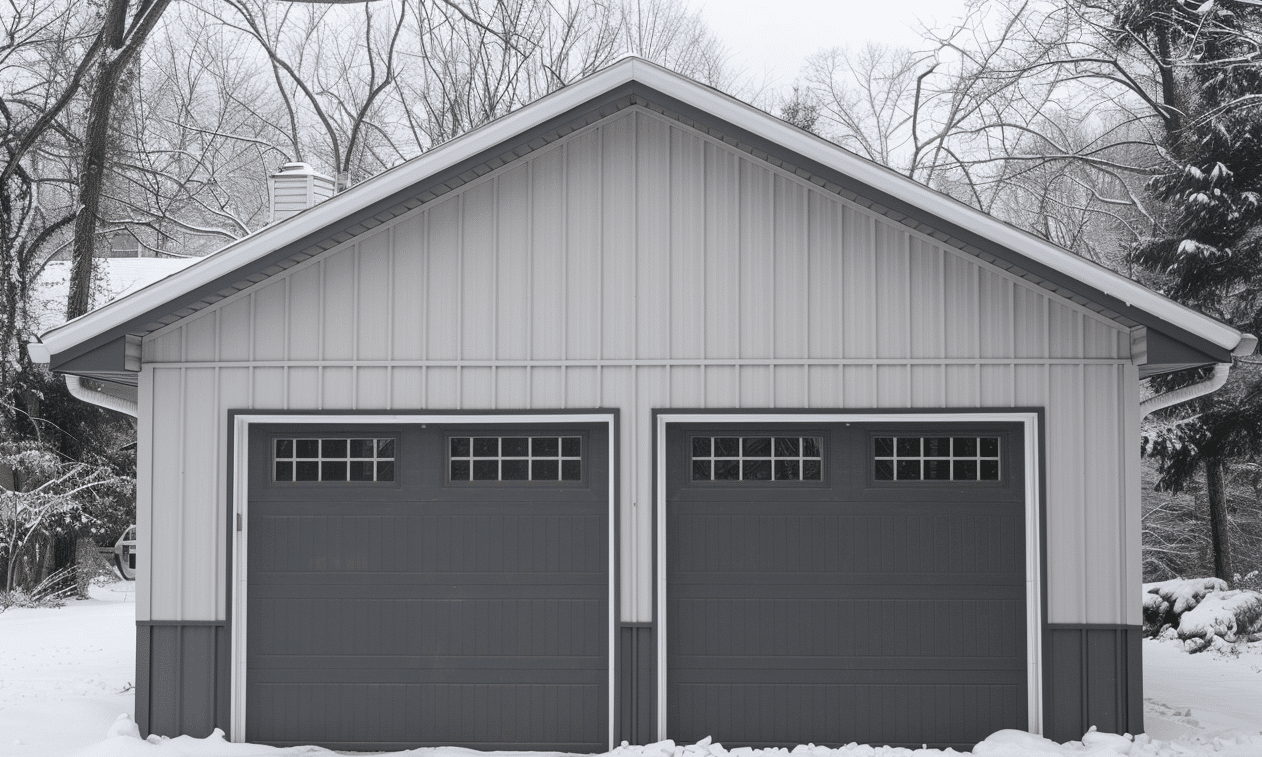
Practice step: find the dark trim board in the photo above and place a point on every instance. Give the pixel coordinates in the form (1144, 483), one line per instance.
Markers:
(1094, 678)
(182, 677)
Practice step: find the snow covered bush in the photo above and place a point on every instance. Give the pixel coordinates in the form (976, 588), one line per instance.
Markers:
(1166, 601)
(1203, 609)
(1232, 615)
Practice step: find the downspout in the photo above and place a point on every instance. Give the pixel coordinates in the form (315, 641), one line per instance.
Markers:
(107, 401)
(1216, 380)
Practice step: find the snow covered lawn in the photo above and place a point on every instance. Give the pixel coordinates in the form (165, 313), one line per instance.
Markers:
(66, 673)
(65, 677)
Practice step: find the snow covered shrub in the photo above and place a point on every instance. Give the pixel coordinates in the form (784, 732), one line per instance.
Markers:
(51, 592)
(1232, 615)
(1166, 601)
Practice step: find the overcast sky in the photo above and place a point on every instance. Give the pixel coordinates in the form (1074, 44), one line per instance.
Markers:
(772, 37)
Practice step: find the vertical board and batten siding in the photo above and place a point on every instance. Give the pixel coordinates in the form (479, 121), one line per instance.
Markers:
(637, 264)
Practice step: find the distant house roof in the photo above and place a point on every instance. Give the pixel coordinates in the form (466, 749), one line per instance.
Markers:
(96, 344)
(118, 277)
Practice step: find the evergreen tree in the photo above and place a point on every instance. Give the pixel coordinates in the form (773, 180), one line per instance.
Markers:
(1206, 249)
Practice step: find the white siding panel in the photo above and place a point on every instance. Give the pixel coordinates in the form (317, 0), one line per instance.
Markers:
(408, 290)
(167, 524)
(268, 386)
(583, 240)
(442, 387)
(407, 388)
(582, 388)
(480, 271)
(164, 348)
(637, 265)
(688, 248)
(547, 387)
(547, 250)
(372, 388)
(1066, 520)
(825, 318)
(509, 300)
(618, 275)
(202, 539)
(201, 337)
(1103, 541)
(372, 295)
(652, 239)
(306, 287)
(757, 252)
(339, 305)
(302, 387)
(443, 279)
(512, 387)
(722, 253)
(790, 269)
(337, 388)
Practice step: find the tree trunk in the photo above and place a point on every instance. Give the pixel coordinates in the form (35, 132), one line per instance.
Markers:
(121, 43)
(1215, 484)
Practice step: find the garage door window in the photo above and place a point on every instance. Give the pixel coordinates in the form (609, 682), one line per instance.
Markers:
(333, 460)
(936, 458)
(516, 458)
(757, 458)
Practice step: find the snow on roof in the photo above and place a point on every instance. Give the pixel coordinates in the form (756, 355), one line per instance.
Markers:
(115, 278)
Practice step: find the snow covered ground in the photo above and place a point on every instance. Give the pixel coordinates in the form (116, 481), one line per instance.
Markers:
(65, 678)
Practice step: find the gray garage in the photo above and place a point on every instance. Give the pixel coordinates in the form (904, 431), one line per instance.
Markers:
(637, 414)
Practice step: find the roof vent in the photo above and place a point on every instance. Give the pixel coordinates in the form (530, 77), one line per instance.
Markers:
(296, 187)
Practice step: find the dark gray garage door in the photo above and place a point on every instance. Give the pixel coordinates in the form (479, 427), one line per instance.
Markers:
(415, 586)
(843, 583)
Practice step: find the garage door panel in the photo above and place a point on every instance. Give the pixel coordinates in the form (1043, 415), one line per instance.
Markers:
(428, 611)
(984, 541)
(429, 543)
(791, 605)
(774, 714)
(525, 716)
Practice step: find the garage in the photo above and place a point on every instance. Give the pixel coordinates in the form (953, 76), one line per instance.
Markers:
(428, 584)
(843, 582)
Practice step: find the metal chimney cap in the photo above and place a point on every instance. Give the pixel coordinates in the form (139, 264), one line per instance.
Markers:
(294, 168)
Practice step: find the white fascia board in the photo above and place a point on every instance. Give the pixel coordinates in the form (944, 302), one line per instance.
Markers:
(704, 98)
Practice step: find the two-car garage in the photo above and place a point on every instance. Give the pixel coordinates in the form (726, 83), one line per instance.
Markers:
(410, 584)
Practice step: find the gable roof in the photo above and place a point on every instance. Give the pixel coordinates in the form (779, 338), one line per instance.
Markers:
(104, 343)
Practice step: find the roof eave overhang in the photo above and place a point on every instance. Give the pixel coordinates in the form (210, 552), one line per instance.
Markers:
(273, 249)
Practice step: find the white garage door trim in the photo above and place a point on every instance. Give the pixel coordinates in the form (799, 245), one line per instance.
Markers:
(1033, 556)
(240, 544)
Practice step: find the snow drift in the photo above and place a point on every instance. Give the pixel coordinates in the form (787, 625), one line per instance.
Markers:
(124, 741)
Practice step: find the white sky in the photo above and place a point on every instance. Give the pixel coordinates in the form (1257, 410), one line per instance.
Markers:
(771, 38)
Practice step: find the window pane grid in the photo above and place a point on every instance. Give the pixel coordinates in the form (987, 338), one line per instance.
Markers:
(339, 460)
(936, 458)
(757, 458)
(516, 458)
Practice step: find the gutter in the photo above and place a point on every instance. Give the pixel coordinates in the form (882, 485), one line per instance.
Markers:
(39, 354)
(1248, 343)
(107, 401)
